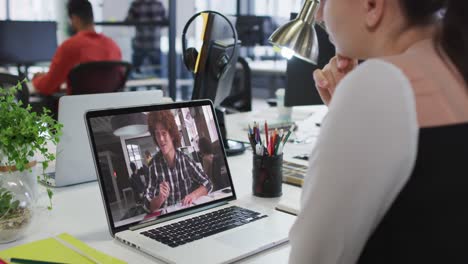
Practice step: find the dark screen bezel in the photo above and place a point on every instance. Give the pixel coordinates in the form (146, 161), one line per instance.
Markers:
(148, 108)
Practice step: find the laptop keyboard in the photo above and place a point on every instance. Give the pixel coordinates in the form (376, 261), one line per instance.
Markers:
(209, 224)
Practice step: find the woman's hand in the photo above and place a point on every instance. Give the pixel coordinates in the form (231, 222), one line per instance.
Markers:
(328, 78)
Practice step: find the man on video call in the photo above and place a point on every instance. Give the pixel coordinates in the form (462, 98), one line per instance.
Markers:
(174, 176)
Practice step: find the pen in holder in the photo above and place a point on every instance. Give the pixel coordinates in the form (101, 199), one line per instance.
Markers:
(267, 175)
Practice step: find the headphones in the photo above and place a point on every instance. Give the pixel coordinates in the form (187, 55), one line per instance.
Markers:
(190, 55)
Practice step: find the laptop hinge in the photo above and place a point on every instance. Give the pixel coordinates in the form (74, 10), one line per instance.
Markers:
(168, 218)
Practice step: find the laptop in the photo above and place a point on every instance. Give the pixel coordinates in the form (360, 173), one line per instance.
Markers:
(216, 227)
(73, 153)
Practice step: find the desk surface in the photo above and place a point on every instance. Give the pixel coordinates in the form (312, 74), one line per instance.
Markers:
(301, 140)
(131, 24)
(164, 82)
(268, 67)
(78, 210)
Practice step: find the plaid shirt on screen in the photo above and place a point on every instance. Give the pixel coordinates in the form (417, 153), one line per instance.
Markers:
(184, 178)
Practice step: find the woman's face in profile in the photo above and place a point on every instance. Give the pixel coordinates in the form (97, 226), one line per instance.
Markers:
(344, 20)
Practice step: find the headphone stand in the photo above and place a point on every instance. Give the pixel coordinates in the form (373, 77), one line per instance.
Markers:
(232, 147)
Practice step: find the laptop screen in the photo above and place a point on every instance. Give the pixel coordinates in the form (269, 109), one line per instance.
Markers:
(157, 160)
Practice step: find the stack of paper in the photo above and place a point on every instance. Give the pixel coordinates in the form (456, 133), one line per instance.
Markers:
(63, 249)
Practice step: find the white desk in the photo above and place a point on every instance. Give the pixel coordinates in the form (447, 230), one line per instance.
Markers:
(156, 82)
(304, 137)
(163, 82)
(268, 67)
(78, 210)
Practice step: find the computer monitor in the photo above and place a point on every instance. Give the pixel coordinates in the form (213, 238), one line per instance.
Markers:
(27, 42)
(218, 41)
(207, 83)
(213, 74)
(254, 30)
(300, 84)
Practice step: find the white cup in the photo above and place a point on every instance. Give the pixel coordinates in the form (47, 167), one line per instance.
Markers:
(284, 113)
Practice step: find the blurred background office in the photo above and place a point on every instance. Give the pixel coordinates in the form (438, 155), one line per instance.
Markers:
(160, 65)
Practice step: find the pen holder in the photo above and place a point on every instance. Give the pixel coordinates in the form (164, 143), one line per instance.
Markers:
(267, 175)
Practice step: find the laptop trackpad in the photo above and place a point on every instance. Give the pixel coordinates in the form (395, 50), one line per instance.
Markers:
(248, 238)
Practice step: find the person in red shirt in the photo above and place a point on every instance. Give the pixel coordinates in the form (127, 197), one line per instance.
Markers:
(85, 46)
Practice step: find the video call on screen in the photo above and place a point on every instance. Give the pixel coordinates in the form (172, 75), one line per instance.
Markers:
(132, 163)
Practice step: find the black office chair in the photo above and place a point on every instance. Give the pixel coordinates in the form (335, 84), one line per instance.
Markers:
(240, 98)
(99, 77)
(220, 179)
(9, 80)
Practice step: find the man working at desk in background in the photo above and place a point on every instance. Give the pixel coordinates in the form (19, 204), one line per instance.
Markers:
(146, 43)
(87, 45)
(174, 176)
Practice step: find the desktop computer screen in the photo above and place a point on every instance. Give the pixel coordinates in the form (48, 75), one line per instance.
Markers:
(214, 74)
(27, 42)
(215, 70)
(254, 30)
(300, 84)
(208, 83)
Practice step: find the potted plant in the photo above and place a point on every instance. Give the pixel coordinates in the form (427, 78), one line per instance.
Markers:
(23, 134)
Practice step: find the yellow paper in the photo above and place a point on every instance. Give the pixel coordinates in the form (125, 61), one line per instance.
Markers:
(51, 250)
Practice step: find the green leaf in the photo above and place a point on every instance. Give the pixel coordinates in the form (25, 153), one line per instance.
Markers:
(14, 205)
(23, 132)
(50, 193)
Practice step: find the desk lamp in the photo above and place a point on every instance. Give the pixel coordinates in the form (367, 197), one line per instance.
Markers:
(298, 37)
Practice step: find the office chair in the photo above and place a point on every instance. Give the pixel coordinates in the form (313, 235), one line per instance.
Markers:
(9, 80)
(99, 77)
(240, 99)
(220, 180)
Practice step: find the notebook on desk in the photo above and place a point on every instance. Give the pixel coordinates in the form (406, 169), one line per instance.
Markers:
(216, 227)
(74, 163)
(63, 248)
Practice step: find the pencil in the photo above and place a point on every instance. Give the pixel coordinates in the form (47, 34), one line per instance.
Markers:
(32, 261)
(252, 144)
(275, 141)
(288, 134)
(278, 141)
(259, 136)
(266, 133)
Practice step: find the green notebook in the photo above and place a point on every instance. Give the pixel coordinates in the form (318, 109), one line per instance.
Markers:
(50, 249)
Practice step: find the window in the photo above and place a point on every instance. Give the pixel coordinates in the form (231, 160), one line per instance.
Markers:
(134, 155)
(210, 122)
(33, 10)
(276, 8)
(224, 7)
(42, 9)
(3, 9)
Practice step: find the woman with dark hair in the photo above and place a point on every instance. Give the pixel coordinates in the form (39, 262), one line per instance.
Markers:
(387, 180)
(174, 176)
